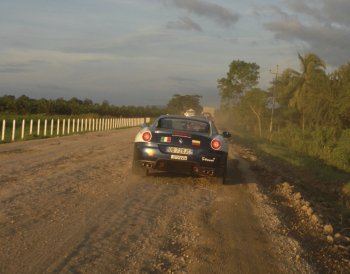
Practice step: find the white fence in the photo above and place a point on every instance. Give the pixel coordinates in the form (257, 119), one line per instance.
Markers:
(62, 127)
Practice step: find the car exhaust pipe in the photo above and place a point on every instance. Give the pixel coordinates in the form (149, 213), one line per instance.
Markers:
(149, 165)
(211, 172)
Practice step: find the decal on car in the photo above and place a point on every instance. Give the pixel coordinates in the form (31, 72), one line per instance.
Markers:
(204, 159)
(196, 143)
(165, 139)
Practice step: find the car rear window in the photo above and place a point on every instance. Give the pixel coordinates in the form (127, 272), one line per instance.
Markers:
(184, 124)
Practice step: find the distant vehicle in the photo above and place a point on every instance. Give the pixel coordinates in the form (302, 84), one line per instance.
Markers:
(208, 116)
(173, 143)
(208, 109)
(190, 112)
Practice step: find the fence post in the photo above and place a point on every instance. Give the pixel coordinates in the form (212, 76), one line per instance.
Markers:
(31, 127)
(68, 126)
(73, 126)
(86, 124)
(64, 127)
(93, 124)
(38, 128)
(13, 129)
(82, 125)
(78, 120)
(58, 127)
(3, 130)
(45, 127)
(51, 129)
(23, 125)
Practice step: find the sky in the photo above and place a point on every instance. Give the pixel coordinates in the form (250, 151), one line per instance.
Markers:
(142, 52)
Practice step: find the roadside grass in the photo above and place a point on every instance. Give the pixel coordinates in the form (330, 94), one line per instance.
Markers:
(27, 136)
(35, 135)
(311, 165)
(324, 185)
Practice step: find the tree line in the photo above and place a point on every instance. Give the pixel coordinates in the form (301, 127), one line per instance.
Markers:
(23, 105)
(307, 110)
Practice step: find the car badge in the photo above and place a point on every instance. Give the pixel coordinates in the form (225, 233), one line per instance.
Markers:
(181, 141)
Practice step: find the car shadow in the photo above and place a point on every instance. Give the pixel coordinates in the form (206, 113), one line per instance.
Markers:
(234, 175)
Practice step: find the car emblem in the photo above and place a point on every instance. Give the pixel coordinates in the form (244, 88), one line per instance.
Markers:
(181, 141)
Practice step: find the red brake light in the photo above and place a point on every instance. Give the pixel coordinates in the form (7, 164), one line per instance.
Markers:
(215, 144)
(146, 136)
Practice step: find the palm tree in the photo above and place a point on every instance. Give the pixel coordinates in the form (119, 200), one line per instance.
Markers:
(312, 66)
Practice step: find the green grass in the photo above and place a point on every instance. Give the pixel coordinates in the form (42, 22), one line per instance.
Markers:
(311, 165)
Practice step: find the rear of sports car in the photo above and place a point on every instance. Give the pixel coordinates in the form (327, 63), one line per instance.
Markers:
(180, 149)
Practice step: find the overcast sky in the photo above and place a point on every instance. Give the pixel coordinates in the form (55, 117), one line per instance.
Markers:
(141, 52)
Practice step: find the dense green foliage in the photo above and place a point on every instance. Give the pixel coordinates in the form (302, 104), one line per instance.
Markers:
(180, 103)
(25, 105)
(311, 113)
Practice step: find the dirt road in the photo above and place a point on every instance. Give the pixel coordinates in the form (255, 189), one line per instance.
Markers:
(70, 205)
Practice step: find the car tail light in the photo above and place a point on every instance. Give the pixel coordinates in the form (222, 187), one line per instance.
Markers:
(215, 144)
(147, 136)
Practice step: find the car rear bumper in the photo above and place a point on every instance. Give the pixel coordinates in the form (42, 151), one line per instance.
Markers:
(212, 163)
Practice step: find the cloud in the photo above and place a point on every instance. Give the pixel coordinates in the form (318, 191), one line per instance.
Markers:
(184, 23)
(331, 11)
(18, 67)
(316, 27)
(214, 12)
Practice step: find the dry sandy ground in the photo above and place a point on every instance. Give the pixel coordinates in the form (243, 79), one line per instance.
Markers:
(70, 205)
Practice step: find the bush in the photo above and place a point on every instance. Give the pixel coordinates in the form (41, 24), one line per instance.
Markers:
(328, 144)
(340, 155)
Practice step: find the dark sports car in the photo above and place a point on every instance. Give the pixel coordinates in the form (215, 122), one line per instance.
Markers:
(180, 144)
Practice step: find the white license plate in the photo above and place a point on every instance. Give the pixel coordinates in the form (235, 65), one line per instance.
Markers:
(179, 150)
(179, 157)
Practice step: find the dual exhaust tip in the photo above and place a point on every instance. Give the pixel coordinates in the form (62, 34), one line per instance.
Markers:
(209, 172)
(149, 165)
(195, 169)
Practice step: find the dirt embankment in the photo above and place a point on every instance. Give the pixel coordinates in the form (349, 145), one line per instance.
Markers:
(308, 215)
(70, 205)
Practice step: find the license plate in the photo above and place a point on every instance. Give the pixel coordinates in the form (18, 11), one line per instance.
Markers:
(179, 157)
(179, 150)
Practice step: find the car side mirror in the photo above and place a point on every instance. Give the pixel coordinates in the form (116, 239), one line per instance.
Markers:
(226, 134)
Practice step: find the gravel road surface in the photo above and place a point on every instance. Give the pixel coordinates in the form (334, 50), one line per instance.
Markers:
(71, 205)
